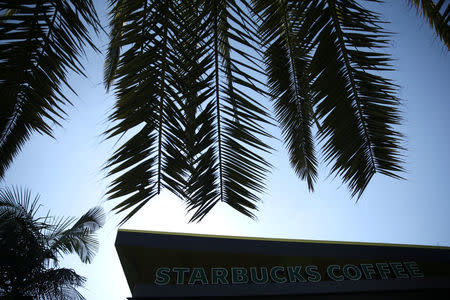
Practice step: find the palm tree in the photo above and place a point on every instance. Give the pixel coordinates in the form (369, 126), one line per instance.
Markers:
(31, 247)
(190, 76)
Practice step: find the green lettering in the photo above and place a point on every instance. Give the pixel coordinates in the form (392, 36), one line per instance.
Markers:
(239, 275)
(368, 270)
(398, 269)
(198, 274)
(219, 274)
(313, 273)
(180, 274)
(383, 269)
(274, 275)
(413, 269)
(254, 276)
(332, 275)
(294, 274)
(354, 269)
(162, 276)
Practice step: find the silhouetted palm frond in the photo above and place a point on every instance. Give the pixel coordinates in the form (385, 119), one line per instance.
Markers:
(288, 46)
(183, 80)
(77, 236)
(189, 79)
(40, 41)
(57, 283)
(323, 69)
(437, 15)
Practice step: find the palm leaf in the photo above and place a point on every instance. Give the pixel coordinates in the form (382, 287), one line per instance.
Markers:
(17, 203)
(183, 91)
(322, 68)
(183, 74)
(190, 152)
(60, 283)
(39, 42)
(287, 60)
(142, 73)
(79, 238)
(113, 52)
(437, 15)
(357, 105)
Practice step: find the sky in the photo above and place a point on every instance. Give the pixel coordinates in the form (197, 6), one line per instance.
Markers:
(67, 171)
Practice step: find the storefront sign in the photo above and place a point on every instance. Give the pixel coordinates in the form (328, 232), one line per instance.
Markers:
(159, 264)
(281, 274)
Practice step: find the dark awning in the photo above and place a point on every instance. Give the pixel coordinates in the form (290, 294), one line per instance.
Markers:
(161, 264)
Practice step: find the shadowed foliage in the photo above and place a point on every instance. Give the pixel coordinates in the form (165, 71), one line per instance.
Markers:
(31, 246)
(437, 15)
(191, 78)
(323, 66)
(180, 70)
(40, 41)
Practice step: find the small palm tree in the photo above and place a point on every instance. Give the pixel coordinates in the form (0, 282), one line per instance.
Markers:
(31, 246)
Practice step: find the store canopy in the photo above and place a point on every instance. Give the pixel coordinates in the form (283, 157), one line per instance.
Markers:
(178, 265)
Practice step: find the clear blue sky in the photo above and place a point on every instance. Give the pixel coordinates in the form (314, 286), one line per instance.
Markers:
(67, 173)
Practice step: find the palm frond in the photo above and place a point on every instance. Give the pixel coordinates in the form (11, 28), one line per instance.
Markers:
(80, 238)
(60, 283)
(190, 157)
(358, 107)
(183, 91)
(242, 116)
(40, 41)
(143, 72)
(17, 212)
(18, 203)
(288, 60)
(324, 68)
(437, 15)
(113, 52)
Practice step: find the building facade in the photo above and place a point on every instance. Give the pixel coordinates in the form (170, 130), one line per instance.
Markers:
(161, 265)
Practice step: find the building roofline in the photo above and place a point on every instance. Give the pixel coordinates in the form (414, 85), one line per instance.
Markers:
(283, 239)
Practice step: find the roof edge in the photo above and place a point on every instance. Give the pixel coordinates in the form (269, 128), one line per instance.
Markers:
(282, 239)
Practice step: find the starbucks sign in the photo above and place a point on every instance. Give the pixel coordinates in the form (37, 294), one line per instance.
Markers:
(281, 274)
(159, 264)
